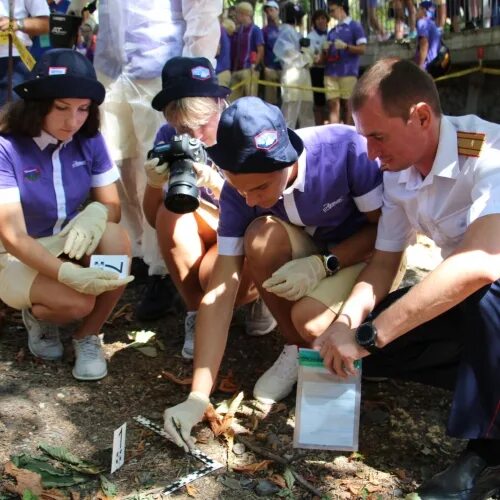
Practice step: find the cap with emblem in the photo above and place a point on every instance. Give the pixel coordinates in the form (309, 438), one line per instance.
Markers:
(272, 3)
(187, 77)
(61, 73)
(252, 137)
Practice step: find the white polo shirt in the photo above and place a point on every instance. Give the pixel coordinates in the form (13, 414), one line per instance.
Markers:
(463, 185)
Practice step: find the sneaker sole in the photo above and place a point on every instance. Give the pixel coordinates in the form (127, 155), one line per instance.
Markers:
(84, 378)
(187, 355)
(45, 358)
(260, 333)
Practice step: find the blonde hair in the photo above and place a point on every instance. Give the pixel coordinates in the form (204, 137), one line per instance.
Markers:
(245, 8)
(193, 112)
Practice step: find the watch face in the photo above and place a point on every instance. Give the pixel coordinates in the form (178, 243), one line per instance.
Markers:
(332, 263)
(365, 334)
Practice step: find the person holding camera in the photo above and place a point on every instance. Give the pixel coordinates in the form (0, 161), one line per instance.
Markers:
(295, 55)
(52, 160)
(301, 209)
(191, 100)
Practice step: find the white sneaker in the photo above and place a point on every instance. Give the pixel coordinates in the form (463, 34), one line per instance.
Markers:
(258, 319)
(189, 327)
(278, 381)
(43, 337)
(90, 363)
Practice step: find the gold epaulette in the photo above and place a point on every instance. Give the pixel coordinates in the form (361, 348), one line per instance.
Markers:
(470, 143)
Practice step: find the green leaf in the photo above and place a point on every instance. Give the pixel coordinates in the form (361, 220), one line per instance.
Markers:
(147, 350)
(62, 455)
(108, 488)
(29, 495)
(289, 478)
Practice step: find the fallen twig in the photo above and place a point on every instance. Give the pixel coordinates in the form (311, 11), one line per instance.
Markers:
(276, 458)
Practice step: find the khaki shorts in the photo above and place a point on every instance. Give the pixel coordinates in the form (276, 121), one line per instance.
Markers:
(339, 86)
(224, 78)
(16, 278)
(332, 291)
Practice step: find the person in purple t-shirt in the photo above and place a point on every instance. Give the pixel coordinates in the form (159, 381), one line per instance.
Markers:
(429, 37)
(302, 208)
(223, 57)
(192, 101)
(345, 43)
(247, 52)
(272, 66)
(52, 160)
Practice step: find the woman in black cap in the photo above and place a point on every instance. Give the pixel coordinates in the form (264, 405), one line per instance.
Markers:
(192, 100)
(52, 160)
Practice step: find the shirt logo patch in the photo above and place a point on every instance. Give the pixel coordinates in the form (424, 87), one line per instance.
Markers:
(77, 163)
(266, 139)
(200, 73)
(328, 206)
(32, 174)
(57, 70)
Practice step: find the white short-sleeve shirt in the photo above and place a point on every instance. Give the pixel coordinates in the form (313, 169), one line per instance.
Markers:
(463, 185)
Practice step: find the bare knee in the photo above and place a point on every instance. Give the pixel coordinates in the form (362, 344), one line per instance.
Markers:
(115, 241)
(81, 306)
(311, 318)
(264, 239)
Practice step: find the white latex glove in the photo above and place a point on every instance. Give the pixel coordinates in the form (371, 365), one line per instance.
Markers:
(339, 44)
(180, 419)
(85, 231)
(90, 280)
(296, 278)
(157, 175)
(208, 177)
(326, 45)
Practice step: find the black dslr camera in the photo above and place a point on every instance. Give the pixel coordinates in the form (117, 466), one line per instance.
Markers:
(182, 194)
(304, 42)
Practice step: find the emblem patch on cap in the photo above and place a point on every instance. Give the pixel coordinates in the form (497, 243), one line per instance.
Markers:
(200, 73)
(266, 139)
(57, 70)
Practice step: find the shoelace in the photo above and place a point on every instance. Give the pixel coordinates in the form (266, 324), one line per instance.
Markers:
(89, 347)
(284, 367)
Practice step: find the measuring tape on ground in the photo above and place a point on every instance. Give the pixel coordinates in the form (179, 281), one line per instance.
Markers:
(209, 464)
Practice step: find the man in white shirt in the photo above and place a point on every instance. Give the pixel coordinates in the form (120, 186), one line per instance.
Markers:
(31, 18)
(441, 178)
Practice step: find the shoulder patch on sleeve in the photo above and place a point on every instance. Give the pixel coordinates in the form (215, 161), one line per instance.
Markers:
(470, 143)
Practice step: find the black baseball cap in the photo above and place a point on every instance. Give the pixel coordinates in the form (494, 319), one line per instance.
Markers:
(252, 137)
(187, 77)
(61, 73)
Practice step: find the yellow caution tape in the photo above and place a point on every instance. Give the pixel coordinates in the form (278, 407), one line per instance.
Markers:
(457, 74)
(24, 53)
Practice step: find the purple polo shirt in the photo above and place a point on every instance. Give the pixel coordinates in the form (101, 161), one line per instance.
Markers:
(270, 33)
(223, 58)
(52, 179)
(335, 184)
(165, 134)
(342, 62)
(245, 41)
(427, 28)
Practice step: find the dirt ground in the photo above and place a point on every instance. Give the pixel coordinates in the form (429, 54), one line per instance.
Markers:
(402, 432)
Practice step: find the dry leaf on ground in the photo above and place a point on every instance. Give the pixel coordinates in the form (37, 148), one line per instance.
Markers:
(228, 384)
(175, 379)
(191, 490)
(26, 480)
(253, 468)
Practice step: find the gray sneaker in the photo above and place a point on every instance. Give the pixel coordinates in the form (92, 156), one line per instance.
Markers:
(90, 363)
(258, 319)
(189, 327)
(43, 337)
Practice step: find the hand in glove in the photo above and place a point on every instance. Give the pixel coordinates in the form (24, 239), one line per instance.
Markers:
(157, 175)
(326, 46)
(339, 44)
(90, 280)
(85, 231)
(296, 278)
(208, 177)
(180, 419)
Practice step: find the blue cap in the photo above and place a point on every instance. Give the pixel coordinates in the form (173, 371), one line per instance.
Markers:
(426, 4)
(187, 77)
(61, 73)
(252, 137)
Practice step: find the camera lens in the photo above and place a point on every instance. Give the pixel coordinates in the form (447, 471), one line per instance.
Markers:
(182, 195)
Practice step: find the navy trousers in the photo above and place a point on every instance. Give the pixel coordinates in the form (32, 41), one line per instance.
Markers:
(458, 350)
(19, 75)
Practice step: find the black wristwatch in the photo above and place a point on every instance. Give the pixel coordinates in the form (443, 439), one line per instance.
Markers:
(331, 263)
(366, 337)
